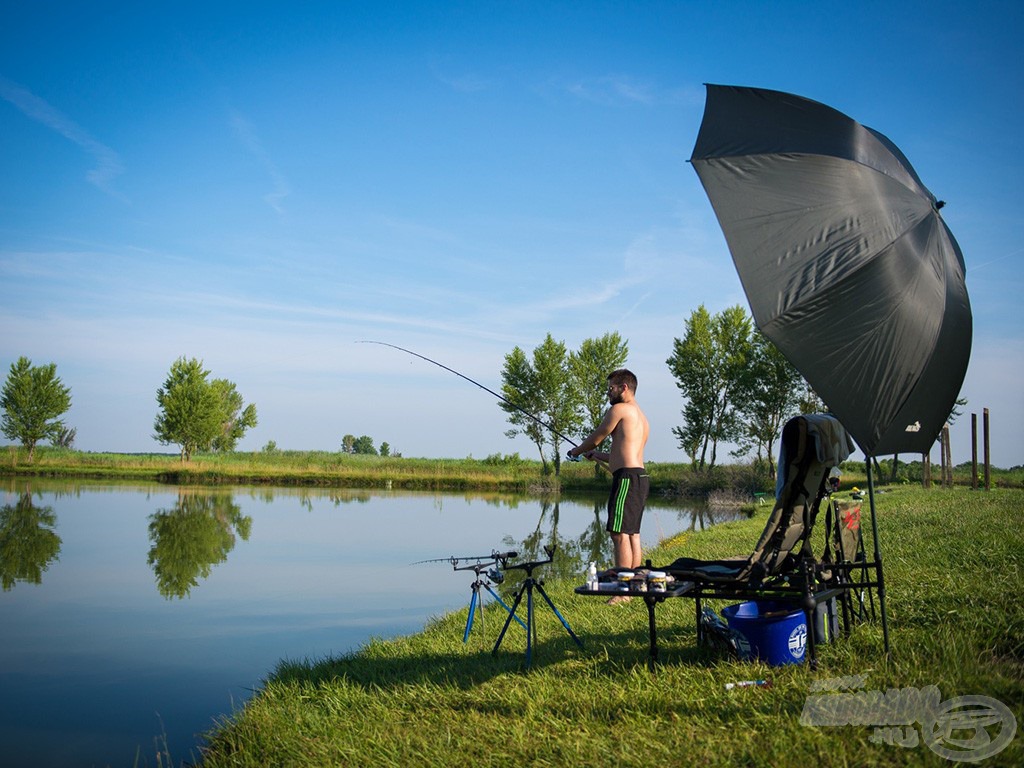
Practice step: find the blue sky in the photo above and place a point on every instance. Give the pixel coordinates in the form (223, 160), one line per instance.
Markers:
(263, 185)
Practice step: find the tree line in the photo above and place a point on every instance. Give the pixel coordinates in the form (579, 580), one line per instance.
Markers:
(737, 387)
(196, 412)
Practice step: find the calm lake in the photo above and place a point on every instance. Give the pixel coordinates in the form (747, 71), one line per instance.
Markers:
(132, 617)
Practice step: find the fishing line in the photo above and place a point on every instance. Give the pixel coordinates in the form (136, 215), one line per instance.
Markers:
(544, 424)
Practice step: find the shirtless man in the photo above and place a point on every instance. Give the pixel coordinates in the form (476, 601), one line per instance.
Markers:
(628, 427)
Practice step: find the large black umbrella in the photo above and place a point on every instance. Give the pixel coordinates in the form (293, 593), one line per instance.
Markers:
(848, 266)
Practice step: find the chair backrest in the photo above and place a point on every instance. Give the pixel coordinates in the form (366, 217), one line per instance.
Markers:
(811, 446)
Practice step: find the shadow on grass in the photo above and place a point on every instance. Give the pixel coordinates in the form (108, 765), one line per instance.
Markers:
(383, 665)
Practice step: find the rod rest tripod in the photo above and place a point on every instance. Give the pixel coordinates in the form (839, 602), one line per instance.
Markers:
(527, 587)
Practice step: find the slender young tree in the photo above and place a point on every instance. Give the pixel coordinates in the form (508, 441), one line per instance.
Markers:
(709, 364)
(519, 387)
(559, 398)
(543, 387)
(236, 417)
(33, 400)
(692, 365)
(589, 368)
(769, 395)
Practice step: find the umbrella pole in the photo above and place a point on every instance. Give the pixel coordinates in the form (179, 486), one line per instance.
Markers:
(878, 559)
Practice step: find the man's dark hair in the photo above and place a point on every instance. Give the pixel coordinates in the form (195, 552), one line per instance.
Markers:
(623, 376)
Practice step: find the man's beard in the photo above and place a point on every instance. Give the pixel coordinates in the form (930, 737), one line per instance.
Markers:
(615, 399)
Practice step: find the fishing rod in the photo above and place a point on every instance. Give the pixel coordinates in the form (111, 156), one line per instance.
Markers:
(477, 383)
(496, 556)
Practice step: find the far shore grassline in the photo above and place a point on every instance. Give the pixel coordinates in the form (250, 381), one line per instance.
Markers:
(509, 473)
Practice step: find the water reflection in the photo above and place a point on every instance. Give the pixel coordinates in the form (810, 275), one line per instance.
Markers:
(97, 663)
(192, 537)
(572, 553)
(28, 542)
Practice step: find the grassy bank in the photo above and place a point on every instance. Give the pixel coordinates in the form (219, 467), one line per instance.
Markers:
(494, 473)
(335, 469)
(953, 567)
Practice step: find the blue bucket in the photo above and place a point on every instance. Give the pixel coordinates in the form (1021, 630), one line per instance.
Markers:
(777, 633)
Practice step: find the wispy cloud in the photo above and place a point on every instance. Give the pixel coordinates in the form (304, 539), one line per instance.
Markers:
(612, 90)
(247, 135)
(464, 82)
(108, 164)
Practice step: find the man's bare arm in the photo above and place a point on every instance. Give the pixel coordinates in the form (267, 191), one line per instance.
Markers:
(602, 431)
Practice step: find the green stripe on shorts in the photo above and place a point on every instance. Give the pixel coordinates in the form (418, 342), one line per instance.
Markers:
(620, 504)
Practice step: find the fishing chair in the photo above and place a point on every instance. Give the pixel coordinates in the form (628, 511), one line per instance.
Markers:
(811, 446)
(782, 566)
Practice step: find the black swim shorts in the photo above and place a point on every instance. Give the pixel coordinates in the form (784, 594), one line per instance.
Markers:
(626, 501)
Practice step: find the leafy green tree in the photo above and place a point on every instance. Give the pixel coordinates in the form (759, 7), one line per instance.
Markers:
(708, 364)
(385, 449)
(519, 386)
(190, 409)
(236, 417)
(199, 414)
(691, 364)
(589, 368)
(364, 445)
(33, 400)
(770, 394)
(543, 387)
(691, 433)
(348, 444)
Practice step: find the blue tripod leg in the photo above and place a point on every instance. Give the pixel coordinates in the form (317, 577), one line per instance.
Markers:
(511, 614)
(560, 617)
(472, 610)
(497, 597)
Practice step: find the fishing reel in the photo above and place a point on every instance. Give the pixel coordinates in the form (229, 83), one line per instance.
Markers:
(496, 575)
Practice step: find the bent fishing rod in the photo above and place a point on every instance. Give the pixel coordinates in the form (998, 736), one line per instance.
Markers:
(503, 399)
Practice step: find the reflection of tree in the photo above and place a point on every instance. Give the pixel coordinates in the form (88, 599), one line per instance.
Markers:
(28, 543)
(594, 542)
(572, 555)
(191, 538)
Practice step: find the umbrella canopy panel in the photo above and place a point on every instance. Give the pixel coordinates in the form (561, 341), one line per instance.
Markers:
(847, 265)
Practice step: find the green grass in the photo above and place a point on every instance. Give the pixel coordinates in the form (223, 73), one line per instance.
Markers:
(953, 568)
(336, 469)
(508, 473)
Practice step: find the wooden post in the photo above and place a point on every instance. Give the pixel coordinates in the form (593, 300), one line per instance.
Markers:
(984, 426)
(947, 459)
(926, 470)
(974, 451)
